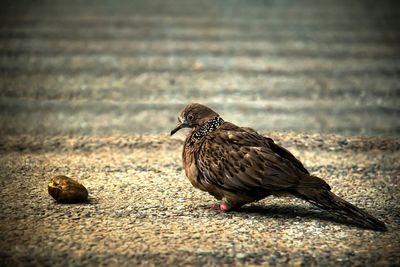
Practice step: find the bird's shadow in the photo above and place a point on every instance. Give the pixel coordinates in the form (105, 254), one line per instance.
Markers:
(289, 211)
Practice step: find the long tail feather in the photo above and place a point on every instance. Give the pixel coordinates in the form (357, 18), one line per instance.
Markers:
(329, 201)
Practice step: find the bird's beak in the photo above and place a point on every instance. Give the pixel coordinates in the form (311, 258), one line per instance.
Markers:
(181, 124)
(178, 127)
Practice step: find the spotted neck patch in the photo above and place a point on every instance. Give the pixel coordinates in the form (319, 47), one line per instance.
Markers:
(210, 126)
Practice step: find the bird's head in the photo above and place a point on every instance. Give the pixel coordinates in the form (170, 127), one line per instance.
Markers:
(194, 115)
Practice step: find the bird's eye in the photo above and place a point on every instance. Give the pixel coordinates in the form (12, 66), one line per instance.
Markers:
(190, 117)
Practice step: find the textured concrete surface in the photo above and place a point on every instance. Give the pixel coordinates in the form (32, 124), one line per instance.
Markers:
(143, 211)
(90, 67)
(81, 80)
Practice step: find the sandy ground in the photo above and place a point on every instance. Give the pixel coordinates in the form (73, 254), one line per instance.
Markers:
(143, 211)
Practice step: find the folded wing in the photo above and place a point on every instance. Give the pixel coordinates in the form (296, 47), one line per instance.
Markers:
(240, 161)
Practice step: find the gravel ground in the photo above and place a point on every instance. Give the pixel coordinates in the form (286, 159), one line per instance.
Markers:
(80, 80)
(143, 211)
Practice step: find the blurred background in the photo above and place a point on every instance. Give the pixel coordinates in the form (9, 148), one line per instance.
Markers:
(122, 67)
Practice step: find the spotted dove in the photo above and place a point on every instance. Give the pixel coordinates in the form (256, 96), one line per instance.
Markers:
(238, 166)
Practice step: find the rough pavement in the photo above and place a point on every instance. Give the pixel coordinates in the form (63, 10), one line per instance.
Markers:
(80, 80)
(91, 67)
(143, 211)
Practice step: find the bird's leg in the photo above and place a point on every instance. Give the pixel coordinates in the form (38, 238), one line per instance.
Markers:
(224, 207)
(220, 207)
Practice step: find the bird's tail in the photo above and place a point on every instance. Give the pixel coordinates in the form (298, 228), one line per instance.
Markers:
(327, 200)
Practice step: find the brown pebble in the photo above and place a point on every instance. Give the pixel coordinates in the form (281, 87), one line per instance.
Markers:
(66, 190)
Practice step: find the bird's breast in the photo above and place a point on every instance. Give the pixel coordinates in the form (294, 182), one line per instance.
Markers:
(189, 164)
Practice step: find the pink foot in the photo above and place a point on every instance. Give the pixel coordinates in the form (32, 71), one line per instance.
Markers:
(224, 207)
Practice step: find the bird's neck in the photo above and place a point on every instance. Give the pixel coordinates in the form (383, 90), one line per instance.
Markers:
(201, 131)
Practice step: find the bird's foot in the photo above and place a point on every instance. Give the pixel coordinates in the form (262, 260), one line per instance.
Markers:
(224, 207)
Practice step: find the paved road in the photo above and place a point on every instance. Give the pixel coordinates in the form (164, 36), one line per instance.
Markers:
(143, 211)
(90, 67)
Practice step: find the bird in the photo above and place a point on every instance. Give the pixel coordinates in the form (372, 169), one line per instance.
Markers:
(237, 166)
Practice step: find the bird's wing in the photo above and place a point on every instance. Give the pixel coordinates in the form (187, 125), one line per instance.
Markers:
(242, 161)
(284, 153)
(281, 151)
